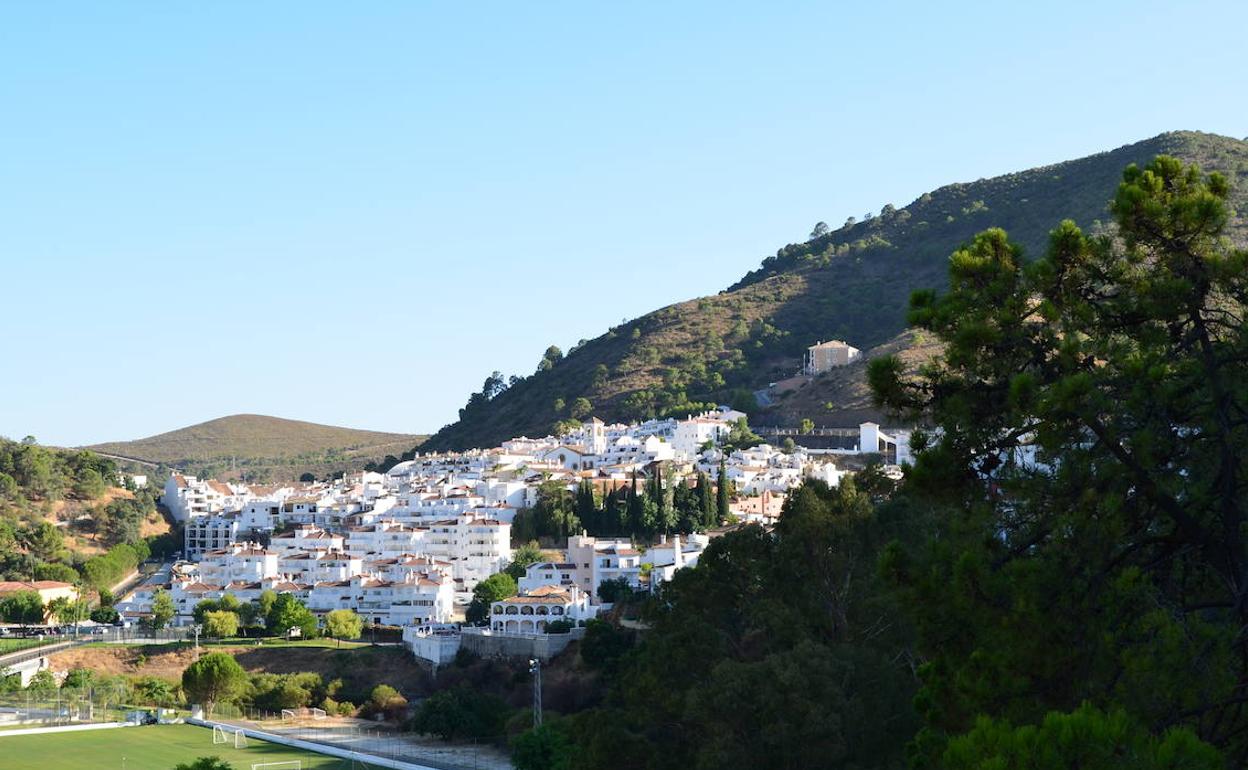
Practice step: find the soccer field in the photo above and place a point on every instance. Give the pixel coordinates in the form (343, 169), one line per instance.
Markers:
(153, 747)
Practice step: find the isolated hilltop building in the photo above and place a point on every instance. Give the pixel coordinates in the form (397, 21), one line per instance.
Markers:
(824, 356)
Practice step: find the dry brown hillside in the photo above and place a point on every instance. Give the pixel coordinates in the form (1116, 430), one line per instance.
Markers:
(262, 447)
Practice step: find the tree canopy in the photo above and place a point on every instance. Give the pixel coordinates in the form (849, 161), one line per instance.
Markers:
(213, 679)
(1090, 415)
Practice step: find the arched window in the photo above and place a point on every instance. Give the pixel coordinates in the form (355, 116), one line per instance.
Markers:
(556, 610)
(543, 611)
(511, 610)
(498, 609)
(526, 610)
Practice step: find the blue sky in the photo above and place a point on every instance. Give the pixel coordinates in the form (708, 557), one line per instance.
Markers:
(353, 213)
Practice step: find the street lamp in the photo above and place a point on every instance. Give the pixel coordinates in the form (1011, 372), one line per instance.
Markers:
(535, 668)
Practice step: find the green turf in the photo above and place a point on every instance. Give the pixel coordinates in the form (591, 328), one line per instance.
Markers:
(14, 645)
(154, 747)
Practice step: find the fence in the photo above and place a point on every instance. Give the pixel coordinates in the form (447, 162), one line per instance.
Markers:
(365, 738)
(64, 706)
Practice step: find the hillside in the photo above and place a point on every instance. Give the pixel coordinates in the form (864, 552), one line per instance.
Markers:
(262, 447)
(852, 283)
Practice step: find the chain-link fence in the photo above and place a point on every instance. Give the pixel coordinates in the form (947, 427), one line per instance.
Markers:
(367, 738)
(64, 706)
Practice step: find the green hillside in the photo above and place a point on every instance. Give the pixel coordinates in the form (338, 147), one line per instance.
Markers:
(262, 447)
(852, 283)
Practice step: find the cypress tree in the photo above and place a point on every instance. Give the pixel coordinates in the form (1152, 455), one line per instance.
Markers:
(707, 510)
(722, 492)
(636, 510)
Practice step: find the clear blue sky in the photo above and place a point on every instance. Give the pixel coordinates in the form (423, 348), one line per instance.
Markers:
(353, 213)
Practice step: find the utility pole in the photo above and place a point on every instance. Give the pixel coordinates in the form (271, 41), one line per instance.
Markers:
(197, 627)
(535, 668)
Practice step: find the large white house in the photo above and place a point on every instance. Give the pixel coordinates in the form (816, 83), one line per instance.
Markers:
(530, 612)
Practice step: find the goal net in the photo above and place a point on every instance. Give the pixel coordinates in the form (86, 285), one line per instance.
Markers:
(318, 713)
(287, 714)
(226, 736)
(292, 764)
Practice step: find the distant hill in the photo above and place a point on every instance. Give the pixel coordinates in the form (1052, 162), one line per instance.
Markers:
(262, 448)
(852, 283)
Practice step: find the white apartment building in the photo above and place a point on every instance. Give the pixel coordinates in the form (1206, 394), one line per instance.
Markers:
(319, 566)
(307, 538)
(385, 539)
(187, 496)
(209, 532)
(428, 599)
(238, 562)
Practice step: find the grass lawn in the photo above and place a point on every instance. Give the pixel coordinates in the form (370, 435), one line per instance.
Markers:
(153, 747)
(13, 645)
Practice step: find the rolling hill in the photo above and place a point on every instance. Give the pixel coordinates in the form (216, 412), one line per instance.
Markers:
(852, 283)
(261, 447)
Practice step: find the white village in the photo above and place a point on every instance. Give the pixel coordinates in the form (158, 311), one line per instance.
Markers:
(406, 548)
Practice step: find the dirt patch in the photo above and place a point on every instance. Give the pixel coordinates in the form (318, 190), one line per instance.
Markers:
(164, 661)
(360, 669)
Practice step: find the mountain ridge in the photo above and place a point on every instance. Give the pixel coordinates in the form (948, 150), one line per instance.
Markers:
(262, 445)
(852, 283)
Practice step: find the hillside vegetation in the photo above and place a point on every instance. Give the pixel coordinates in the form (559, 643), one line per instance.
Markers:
(63, 516)
(851, 283)
(262, 448)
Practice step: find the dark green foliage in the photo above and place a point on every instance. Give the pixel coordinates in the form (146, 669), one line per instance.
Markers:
(105, 615)
(461, 712)
(205, 763)
(23, 607)
(522, 557)
(605, 644)
(214, 678)
(29, 472)
(108, 569)
(162, 610)
(1085, 738)
(288, 612)
(615, 589)
(120, 520)
(1111, 569)
(78, 678)
(723, 494)
(494, 588)
(793, 631)
(274, 692)
(543, 748)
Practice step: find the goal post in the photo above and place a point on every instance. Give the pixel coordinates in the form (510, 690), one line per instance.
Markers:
(318, 713)
(240, 739)
(219, 735)
(287, 714)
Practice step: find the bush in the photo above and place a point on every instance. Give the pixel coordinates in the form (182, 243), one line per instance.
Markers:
(559, 626)
(387, 700)
(542, 748)
(460, 712)
(604, 645)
